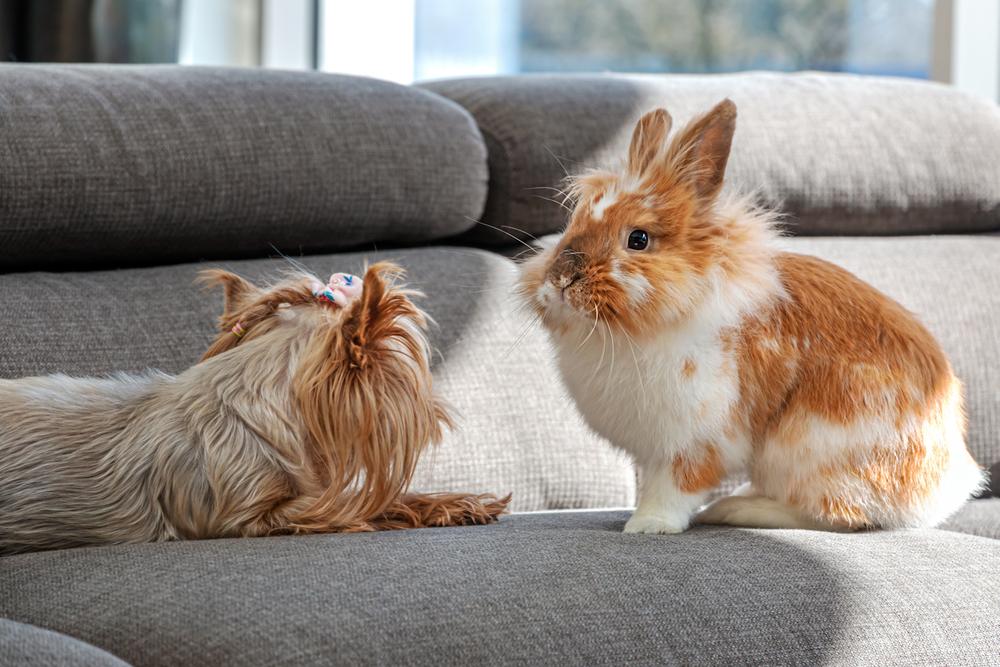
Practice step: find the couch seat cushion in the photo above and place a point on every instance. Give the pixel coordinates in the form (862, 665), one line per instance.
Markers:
(979, 517)
(516, 432)
(22, 644)
(553, 588)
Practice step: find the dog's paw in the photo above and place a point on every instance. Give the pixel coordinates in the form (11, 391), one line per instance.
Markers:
(656, 524)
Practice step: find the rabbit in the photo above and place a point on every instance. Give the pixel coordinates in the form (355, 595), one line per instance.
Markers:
(688, 339)
(307, 414)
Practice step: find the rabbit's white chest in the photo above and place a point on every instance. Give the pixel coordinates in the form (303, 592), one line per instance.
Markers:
(657, 398)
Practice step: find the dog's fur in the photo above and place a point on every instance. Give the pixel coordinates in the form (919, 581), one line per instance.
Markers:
(312, 421)
(710, 351)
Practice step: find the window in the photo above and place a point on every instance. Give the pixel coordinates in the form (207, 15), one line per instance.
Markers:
(429, 39)
(955, 41)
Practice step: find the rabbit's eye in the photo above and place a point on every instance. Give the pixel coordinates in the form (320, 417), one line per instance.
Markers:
(638, 240)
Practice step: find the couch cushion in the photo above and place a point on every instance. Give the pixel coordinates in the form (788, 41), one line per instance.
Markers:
(115, 165)
(979, 517)
(517, 430)
(22, 644)
(562, 588)
(840, 154)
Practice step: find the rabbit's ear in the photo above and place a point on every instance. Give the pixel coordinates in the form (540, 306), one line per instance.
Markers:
(703, 147)
(648, 138)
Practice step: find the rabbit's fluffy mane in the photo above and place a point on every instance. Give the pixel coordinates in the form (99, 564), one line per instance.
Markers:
(721, 244)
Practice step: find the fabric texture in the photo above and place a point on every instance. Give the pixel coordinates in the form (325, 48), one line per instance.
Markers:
(27, 645)
(127, 165)
(517, 431)
(557, 588)
(979, 517)
(840, 154)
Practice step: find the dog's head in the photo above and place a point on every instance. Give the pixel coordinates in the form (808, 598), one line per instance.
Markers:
(359, 379)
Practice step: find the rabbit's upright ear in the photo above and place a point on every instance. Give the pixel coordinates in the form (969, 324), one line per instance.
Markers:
(703, 148)
(238, 291)
(648, 140)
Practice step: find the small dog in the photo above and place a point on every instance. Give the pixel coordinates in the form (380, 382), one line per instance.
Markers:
(733, 355)
(307, 414)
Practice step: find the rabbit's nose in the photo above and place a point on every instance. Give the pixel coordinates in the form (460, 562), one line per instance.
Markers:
(564, 281)
(566, 269)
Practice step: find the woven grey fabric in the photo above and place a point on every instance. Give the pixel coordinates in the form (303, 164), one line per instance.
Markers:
(565, 588)
(27, 645)
(517, 430)
(980, 517)
(113, 165)
(840, 154)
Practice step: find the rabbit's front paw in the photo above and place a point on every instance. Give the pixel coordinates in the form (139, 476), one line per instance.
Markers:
(656, 524)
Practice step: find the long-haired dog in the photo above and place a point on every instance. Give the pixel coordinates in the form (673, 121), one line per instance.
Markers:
(308, 413)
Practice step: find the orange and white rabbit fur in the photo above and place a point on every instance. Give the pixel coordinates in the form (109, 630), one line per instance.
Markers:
(691, 342)
(302, 417)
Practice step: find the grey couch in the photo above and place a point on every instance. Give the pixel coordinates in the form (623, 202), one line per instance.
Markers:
(117, 184)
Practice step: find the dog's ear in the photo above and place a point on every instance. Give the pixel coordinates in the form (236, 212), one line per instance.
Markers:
(238, 291)
(378, 315)
(365, 392)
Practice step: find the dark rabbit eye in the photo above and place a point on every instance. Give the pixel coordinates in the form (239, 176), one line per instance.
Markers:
(638, 240)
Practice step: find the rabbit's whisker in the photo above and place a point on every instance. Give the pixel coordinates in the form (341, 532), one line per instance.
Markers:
(503, 231)
(524, 332)
(635, 360)
(520, 231)
(600, 362)
(558, 203)
(611, 366)
(592, 329)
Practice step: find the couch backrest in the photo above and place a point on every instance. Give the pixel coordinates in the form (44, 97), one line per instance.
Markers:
(114, 165)
(840, 154)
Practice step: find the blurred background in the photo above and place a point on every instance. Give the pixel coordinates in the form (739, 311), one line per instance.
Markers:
(953, 41)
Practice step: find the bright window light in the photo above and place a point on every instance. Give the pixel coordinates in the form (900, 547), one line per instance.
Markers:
(371, 38)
